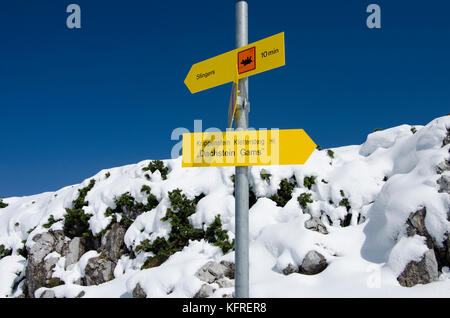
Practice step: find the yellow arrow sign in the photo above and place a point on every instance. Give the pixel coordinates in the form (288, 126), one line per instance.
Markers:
(246, 148)
(246, 61)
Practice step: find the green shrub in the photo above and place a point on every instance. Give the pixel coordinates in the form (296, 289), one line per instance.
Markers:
(145, 188)
(23, 250)
(386, 178)
(304, 199)
(128, 208)
(182, 231)
(157, 165)
(345, 203)
(31, 230)
(323, 180)
(4, 252)
(265, 176)
(53, 282)
(413, 130)
(284, 193)
(153, 261)
(76, 222)
(51, 221)
(2, 204)
(347, 220)
(308, 182)
(216, 235)
(177, 215)
(319, 148)
(107, 175)
(378, 129)
(330, 153)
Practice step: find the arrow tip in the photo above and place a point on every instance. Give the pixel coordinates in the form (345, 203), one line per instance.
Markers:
(188, 81)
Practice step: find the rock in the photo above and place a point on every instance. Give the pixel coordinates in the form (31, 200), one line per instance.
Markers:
(48, 294)
(205, 291)
(75, 250)
(99, 270)
(211, 271)
(39, 271)
(43, 246)
(225, 282)
(443, 166)
(290, 269)
(315, 224)
(229, 269)
(112, 241)
(444, 184)
(313, 263)
(423, 272)
(81, 294)
(447, 247)
(446, 139)
(60, 242)
(138, 292)
(228, 296)
(442, 253)
(415, 225)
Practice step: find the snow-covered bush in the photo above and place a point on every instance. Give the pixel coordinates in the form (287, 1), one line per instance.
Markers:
(157, 165)
(76, 222)
(2, 204)
(284, 193)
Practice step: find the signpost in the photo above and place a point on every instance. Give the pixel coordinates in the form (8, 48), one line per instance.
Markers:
(243, 62)
(242, 148)
(246, 148)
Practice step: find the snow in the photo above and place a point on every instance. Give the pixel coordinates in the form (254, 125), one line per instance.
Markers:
(364, 258)
(11, 271)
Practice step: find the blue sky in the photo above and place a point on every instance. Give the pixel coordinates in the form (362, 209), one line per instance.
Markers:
(73, 102)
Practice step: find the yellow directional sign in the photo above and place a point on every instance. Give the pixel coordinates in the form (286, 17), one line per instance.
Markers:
(246, 61)
(246, 148)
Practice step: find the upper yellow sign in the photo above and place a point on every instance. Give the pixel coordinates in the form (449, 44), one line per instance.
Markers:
(247, 148)
(246, 61)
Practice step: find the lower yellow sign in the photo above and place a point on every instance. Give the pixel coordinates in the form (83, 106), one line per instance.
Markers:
(247, 148)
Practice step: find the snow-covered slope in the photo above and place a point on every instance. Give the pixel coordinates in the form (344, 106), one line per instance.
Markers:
(363, 195)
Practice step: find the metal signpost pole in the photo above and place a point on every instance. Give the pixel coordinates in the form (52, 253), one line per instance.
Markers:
(241, 176)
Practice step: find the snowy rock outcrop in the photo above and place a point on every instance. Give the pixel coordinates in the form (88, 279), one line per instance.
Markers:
(138, 292)
(205, 291)
(212, 271)
(48, 294)
(313, 263)
(357, 221)
(99, 270)
(315, 224)
(423, 272)
(112, 242)
(76, 248)
(40, 260)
